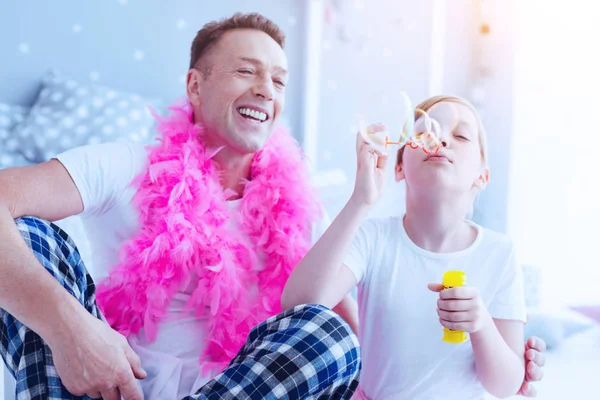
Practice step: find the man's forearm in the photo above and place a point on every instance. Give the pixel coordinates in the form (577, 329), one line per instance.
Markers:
(500, 370)
(27, 290)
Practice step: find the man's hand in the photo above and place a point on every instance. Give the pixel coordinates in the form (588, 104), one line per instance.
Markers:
(97, 361)
(461, 308)
(535, 361)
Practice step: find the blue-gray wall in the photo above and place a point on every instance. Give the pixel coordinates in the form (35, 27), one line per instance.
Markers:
(140, 46)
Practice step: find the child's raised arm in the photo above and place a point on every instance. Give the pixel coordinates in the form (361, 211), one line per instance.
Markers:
(321, 277)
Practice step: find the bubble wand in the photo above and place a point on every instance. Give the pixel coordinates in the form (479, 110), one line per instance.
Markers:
(428, 140)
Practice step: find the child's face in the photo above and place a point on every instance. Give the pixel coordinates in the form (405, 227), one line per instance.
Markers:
(458, 166)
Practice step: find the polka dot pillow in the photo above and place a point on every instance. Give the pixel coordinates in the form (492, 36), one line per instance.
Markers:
(10, 116)
(68, 114)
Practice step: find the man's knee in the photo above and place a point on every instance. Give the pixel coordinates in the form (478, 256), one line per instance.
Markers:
(57, 253)
(325, 330)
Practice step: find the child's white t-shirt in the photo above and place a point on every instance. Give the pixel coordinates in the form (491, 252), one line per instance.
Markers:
(403, 354)
(103, 175)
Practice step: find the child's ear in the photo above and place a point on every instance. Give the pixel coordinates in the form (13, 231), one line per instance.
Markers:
(483, 179)
(399, 172)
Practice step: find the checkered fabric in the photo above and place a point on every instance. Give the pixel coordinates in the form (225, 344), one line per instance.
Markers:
(26, 355)
(308, 352)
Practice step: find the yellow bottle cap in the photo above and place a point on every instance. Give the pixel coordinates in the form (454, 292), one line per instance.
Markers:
(451, 336)
(454, 278)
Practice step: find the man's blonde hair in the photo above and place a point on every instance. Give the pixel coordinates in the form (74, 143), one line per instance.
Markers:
(426, 105)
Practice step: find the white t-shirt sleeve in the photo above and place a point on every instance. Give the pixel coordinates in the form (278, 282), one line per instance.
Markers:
(509, 301)
(359, 256)
(103, 172)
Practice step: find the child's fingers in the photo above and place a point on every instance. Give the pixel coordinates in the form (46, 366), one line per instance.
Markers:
(457, 326)
(382, 160)
(362, 148)
(359, 142)
(454, 316)
(363, 134)
(461, 293)
(378, 127)
(435, 287)
(453, 305)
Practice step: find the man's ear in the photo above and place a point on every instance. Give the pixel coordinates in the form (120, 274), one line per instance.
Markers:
(194, 81)
(399, 172)
(483, 179)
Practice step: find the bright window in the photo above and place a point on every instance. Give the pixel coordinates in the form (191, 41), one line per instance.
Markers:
(555, 182)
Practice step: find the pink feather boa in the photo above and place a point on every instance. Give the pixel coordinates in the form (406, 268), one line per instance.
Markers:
(184, 236)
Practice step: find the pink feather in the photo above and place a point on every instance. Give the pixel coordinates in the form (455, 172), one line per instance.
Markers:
(184, 233)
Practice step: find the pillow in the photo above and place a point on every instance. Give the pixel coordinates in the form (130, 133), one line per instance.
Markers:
(532, 280)
(592, 312)
(68, 114)
(555, 325)
(10, 116)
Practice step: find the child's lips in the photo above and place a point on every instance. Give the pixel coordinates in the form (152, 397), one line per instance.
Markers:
(438, 157)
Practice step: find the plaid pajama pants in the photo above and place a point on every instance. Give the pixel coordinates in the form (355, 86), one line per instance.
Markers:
(304, 353)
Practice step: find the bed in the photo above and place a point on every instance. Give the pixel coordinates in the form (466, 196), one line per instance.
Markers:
(572, 369)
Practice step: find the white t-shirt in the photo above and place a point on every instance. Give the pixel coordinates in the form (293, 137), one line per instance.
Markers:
(103, 175)
(403, 354)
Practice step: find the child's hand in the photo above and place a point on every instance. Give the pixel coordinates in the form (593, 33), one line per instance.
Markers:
(461, 308)
(370, 171)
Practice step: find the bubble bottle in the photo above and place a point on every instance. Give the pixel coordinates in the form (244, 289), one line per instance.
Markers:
(454, 279)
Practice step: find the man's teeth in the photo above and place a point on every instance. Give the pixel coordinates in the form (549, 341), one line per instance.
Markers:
(261, 116)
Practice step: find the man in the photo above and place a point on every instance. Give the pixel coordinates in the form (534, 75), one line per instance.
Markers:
(188, 217)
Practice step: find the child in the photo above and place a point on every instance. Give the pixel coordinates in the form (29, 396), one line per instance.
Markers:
(396, 260)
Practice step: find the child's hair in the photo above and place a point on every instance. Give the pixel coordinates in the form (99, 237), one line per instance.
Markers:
(426, 105)
(430, 102)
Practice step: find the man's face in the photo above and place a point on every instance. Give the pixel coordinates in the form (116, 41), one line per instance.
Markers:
(242, 95)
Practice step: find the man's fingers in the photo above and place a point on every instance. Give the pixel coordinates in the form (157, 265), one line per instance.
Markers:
(112, 394)
(528, 390)
(536, 343)
(135, 362)
(130, 389)
(534, 373)
(536, 357)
